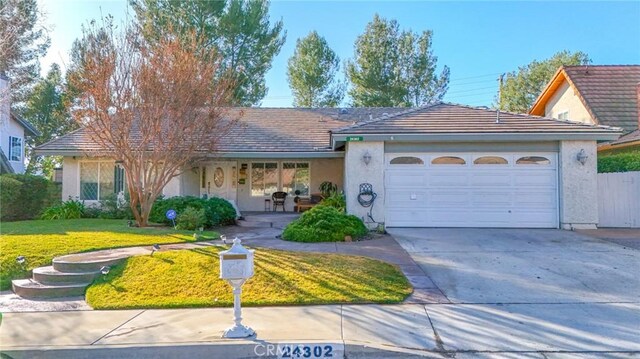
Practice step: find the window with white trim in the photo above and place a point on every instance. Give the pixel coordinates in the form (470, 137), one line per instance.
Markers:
(295, 176)
(98, 179)
(15, 149)
(264, 178)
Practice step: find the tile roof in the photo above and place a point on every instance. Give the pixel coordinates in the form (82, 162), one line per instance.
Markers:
(628, 138)
(282, 130)
(261, 130)
(609, 92)
(460, 119)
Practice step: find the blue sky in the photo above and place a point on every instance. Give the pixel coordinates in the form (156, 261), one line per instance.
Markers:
(477, 40)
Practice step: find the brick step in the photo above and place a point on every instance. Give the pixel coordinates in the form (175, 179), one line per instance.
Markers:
(28, 288)
(51, 276)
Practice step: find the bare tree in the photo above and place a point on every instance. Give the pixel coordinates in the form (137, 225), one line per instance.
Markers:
(156, 108)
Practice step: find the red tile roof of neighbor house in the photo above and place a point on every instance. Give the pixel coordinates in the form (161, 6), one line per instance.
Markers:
(608, 92)
(460, 119)
(281, 130)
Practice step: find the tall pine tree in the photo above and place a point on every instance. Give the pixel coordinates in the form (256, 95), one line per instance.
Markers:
(239, 30)
(394, 68)
(312, 73)
(47, 109)
(23, 41)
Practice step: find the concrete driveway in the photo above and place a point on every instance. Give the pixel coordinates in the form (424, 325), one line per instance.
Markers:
(529, 290)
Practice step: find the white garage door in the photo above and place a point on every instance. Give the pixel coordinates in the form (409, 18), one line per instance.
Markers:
(471, 190)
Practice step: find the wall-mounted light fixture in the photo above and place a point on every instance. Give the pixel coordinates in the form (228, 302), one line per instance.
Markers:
(366, 158)
(582, 157)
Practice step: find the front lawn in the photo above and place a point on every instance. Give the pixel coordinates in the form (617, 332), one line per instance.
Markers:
(40, 241)
(189, 278)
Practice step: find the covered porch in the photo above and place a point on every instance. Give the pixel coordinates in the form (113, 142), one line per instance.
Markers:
(249, 183)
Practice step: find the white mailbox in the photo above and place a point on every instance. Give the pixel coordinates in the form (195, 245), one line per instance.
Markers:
(236, 266)
(237, 262)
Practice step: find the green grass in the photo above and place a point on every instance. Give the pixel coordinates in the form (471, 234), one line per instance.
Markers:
(40, 241)
(189, 278)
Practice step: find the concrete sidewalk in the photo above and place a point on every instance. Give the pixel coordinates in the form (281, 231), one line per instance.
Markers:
(372, 331)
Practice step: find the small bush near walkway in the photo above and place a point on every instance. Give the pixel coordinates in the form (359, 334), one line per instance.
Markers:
(621, 162)
(324, 224)
(217, 211)
(26, 196)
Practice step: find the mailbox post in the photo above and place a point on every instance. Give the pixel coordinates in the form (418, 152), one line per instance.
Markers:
(236, 266)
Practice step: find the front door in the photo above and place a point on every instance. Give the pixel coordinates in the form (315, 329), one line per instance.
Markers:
(220, 180)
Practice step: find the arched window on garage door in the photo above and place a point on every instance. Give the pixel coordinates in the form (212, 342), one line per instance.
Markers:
(448, 160)
(490, 160)
(407, 160)
(533, 160)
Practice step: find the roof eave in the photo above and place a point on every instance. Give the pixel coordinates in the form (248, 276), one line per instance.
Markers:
(247, 154)
(339, 139)
(538, 107)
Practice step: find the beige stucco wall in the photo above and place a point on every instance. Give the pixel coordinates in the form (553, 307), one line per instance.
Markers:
(70, 176)
(184, 184)
(321, 169)
(578, 185)
(566, 99)
(357, 172)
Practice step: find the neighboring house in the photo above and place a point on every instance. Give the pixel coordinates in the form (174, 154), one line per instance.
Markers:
(600, 95)
(13, 130)
(441, 165)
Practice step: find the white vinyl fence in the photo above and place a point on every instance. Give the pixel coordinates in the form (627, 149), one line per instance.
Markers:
(619, 199)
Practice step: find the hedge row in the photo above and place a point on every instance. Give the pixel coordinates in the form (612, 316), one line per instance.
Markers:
(26, 196)
(621, 162)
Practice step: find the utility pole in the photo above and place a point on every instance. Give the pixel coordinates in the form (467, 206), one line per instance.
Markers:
(500, 82)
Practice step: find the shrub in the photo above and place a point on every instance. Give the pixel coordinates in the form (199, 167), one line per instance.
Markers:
(191, 219)
(324, 224)
(28, 200)
(115, 206)
(217, 210)
(9, 194)
(621, 162)
(71, 209)
(337, 201)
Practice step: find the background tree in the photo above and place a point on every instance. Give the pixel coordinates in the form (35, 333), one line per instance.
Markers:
(240, 30)
(23, 40)
(156, 108)
(521, 88)
(394, 68)
(47, 109)
(312, 71)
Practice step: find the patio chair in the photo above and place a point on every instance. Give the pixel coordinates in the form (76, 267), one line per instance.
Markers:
(278, 199)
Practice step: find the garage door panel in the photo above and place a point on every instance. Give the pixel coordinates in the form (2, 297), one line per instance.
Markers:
(406, 179)
(444, 199)
(535, 199)
(495, 199)
(448, 179)
(534, 178)
(488, 179)
(407, 218)
(531, 219)
(406, 198)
